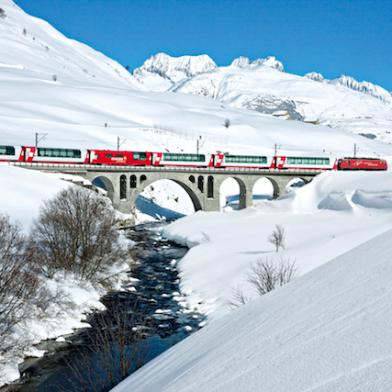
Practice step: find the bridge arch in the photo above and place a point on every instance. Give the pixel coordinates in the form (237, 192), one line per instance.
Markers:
(262, 189)
(276, 186)
(196, 202)
(105, 184)
(236, 186)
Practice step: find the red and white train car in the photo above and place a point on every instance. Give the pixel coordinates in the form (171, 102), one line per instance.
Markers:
(53, 155)
(119, 158)
(308, 163)
(245, 161)
(10, 153)
(182, 159)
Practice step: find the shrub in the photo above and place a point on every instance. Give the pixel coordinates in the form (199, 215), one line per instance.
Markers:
(19, 285)
(265, 275)
(2, 13)
(238, 299)
(277, 238)
(227, 123)
(75, 232)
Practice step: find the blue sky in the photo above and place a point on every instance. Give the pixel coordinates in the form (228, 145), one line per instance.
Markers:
(329, 36)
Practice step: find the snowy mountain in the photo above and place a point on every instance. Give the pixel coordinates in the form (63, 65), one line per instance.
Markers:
(261, 85)
(364, 87)
(161, 71)
(31, 48)
(245, 62)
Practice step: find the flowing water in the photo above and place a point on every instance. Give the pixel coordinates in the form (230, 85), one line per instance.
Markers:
(144, 319)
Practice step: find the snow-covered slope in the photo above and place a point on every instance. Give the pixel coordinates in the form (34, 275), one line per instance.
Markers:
(329, 216)
(328, 331)
(32, 49)
(24, 191)
(364, 87)
(261, 85)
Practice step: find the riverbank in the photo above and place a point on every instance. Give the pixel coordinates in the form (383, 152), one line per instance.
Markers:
(72, 300)
(141, 320)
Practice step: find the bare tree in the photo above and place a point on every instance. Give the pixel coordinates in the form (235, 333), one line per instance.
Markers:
(2, 13)
(19, 285)
(227, 123)
(112, 350)
(266, 275)
(76, 232)
(278, 237)
(238, 299)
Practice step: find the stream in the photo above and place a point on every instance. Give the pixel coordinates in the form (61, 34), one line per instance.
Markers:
(144, 319)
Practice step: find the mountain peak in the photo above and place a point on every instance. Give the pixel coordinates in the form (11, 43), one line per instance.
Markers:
(270, 61)
(176, 68)
(316, 76)
(363, 87)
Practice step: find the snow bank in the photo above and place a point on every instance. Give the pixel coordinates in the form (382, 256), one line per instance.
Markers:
(329, 216)
(328, 331)
(23, 192)
(373, 199)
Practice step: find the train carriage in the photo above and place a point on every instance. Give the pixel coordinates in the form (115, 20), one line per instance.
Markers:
(245, 161)
(10, 153)
(119, 158)
(182, 159)
(308, 163)
(53, 155)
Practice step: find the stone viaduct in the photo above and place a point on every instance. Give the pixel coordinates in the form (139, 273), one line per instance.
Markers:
(124, 184)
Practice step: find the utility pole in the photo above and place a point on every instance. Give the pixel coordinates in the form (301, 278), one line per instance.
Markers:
(198, 144)
(120, 142)
(355, 150)
(39, 137)
(275, 149)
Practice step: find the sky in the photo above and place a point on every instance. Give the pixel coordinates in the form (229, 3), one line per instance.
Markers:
(333, 37)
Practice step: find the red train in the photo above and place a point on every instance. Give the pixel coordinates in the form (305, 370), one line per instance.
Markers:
(218, 160)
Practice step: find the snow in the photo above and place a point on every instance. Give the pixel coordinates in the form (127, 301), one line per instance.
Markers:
(327, 331)
(344, 103)
(331, 215)
(23, 192)
(171, 69)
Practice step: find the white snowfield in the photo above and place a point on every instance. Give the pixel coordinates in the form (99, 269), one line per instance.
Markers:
(329, 216)
(24, 191)
(327, 331)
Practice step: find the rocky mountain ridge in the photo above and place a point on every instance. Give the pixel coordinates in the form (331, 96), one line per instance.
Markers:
(264, 86)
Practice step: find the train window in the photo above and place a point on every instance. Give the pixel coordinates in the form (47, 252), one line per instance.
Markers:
(245, 159)
(176, 157)
(139, 155)
(119, 156)
(307, 161)
(59, 153)
(7, 150)
(108, 155)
